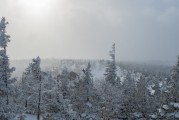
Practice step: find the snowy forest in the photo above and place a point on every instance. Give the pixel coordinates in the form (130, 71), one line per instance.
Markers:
(86, 89)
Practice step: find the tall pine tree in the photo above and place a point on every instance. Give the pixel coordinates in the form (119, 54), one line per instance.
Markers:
(5, 70)
(111, 68)
(31, 87)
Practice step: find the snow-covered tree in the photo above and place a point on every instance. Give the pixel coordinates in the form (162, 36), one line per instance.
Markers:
(37, 75)
(157, 94)
(50, 106)
(4, 38)
(31, 87)
(128, 84)
(129, 89)
(111, 102)
(171, 108)
(175, 82)
(111, 68)
(141, 97)
(63, 94)
(83, 97)
(88, 80)
(5, 70)
(64, 83)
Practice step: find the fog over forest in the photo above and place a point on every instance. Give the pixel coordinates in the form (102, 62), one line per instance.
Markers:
(89, 60)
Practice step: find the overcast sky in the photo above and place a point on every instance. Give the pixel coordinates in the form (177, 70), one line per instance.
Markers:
(143, 30)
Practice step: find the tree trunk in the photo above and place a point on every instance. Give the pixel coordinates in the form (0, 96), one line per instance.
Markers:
(5, 76)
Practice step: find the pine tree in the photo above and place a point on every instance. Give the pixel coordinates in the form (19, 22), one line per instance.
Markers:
(37, 74)
(5, 70)
(31, 87)
(83, 97)
(129, 89)
(88, 81)
(111, 102)
(142, 94)
(173, 96)
(175, 82)
(157, 102)
(65, 82)
(50, 105)
(111, 68)
(63, 94)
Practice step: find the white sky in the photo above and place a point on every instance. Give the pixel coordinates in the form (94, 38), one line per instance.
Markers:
(85, 29)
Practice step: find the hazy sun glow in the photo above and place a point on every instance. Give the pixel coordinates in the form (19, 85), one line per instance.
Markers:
(35, 7)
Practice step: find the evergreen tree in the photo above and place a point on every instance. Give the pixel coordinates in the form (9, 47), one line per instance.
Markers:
(37, 74)
(111, 68)
(31, 85)
(64, 83)
(111, 102)
(173, 94)
(83, 97)
(50, 106)
(129, 90)
(175, 82)
(5, 70)
(142, 100)
(157, 102)
(88, 81)
(64, 94)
